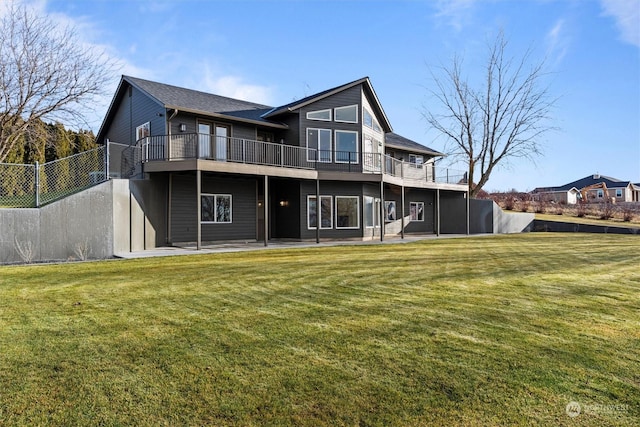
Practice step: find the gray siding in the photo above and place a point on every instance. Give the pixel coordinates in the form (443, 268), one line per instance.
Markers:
(184, 216)
(332, 188)
(453, 212)
(413, 195)
(352, 96)
(134, 109)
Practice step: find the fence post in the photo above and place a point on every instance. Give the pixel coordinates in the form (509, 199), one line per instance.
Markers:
(37, 183)
(106, 161)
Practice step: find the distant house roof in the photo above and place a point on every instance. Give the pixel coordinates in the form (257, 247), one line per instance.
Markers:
(393, 140)
(292, 106)
(585, 182)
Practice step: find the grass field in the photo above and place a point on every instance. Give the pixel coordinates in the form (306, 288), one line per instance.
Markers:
(484, 331)
(589, 221)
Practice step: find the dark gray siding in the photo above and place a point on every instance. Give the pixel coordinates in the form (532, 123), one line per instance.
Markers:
(134, 109)
(427, 197)
(453, 212)
(238, 130)
(352, 96)
(183, 208)
(329, 188)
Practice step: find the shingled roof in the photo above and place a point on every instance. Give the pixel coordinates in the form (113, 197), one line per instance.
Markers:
(393, 140)
(200, 102)
(594, 179)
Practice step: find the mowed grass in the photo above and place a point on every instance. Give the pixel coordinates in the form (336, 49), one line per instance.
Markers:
(483, 331)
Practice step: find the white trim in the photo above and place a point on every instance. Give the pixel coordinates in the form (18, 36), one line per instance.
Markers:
(357, 212)
(335, 113)
(335, 146)
(215, 203)
(318, 151)
(417, 216)
(318, 212)
(320, 111)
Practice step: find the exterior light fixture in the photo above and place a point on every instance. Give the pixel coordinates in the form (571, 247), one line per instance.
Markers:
(183, 127)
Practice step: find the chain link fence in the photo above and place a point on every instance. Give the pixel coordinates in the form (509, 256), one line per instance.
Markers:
(28, 186)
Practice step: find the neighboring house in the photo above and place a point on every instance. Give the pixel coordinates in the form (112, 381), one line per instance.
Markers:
(618, 190)
(325, 166)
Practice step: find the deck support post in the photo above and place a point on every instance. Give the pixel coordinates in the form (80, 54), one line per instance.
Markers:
(318, 210)
(402, 213)
(199, 208)
(437, 212)
(266, 210)
(381, 210)
(468, 211)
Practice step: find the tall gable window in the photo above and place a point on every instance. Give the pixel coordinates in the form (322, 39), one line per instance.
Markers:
(319, 145)
(323, 115)
(347, 114)
(370, 122)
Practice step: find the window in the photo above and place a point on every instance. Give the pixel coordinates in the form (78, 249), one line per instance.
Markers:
(265, 136)
(416, 161)
(326, 212)
(619, 192)
(600, 194)
(323, 115)
(346, 146)
(416, 211)
(347, 114)
(390, 210)
(143, 131)
(318, 145)
(371, 212)
(347, 208)
(216, 208)
(369, 121)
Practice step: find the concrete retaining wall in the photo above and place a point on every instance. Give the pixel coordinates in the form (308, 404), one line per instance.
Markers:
(96, 223)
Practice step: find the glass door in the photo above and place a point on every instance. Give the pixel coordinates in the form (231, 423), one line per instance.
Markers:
(222, 138)
(204, 140)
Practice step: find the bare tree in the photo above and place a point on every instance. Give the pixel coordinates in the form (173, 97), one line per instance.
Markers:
(504, 118)
(46, 73)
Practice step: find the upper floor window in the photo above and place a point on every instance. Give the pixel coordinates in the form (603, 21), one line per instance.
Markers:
(618, 192)
(600, 194)
(346, 146)
(319, 146)
(347, 114)
(416, 160)
(323, 115)
(370, 122)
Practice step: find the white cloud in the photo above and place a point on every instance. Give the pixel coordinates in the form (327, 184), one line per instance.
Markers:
(457, 12)
(234, 87)
(557, 41)
(626, 14)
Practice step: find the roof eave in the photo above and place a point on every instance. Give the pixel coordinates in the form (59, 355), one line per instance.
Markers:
(228, 117)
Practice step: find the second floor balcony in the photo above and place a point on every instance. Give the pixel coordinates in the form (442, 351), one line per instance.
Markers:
(246, 151)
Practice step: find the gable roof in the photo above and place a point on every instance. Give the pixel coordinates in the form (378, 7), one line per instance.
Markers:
(193, 101)
(393, 140)
(292, 106)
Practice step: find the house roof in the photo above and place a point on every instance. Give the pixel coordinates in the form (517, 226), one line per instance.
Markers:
(193, 101)
(393, 140)
(292, 106)
(595, 179)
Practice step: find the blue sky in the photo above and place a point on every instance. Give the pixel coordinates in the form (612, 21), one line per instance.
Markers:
(276, 51)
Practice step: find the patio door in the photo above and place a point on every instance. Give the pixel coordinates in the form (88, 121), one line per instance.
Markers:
(204, 140)
(222, 136)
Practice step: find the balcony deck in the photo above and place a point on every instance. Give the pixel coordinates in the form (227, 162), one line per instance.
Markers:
(185, 152)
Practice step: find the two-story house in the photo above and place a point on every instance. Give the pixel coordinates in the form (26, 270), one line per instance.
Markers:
(328, 166)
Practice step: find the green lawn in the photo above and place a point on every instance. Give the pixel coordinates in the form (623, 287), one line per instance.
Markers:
(588, 220)
(477, 331)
